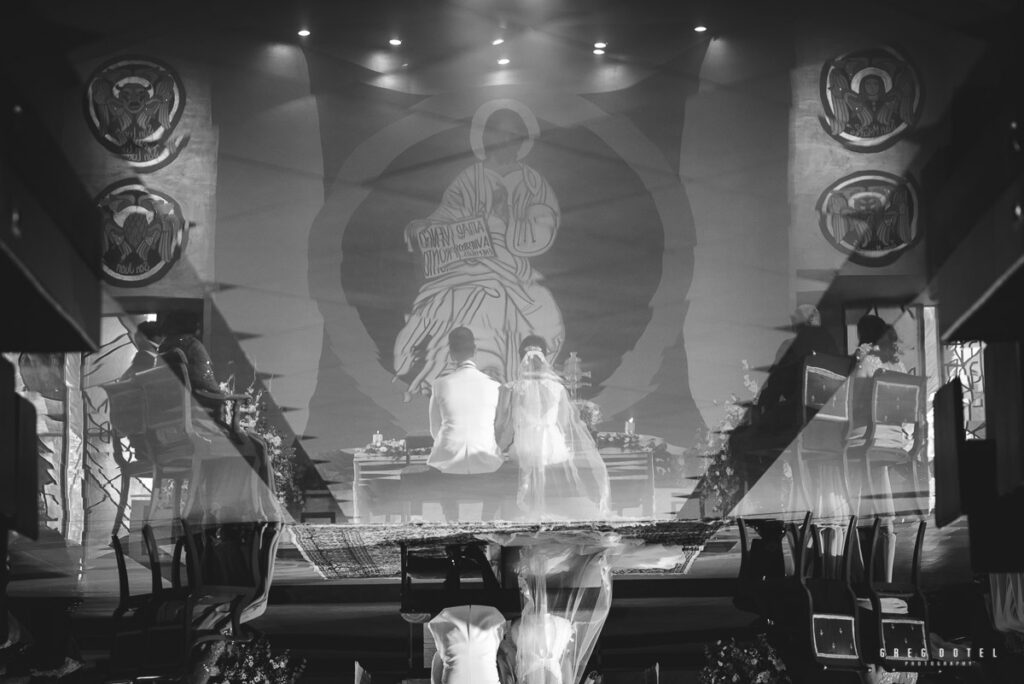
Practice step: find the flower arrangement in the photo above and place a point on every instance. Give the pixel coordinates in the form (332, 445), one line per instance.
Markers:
(755, 662)
(395, 448)
(288, 472)
(723, 484)
(590, 413)
(669, 467)
(252, 662)
(866, 348)
(622, 440)
(887, 353)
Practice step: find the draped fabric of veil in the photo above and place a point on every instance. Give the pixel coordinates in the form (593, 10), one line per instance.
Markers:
(566, 585)
(561, 473)
(232, 484)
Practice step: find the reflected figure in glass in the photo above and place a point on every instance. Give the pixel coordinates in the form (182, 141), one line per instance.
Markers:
(561, 473)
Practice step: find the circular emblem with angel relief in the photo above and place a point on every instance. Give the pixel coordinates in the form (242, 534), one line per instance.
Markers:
(132, 106)
(871, 215)
(144, 233)
(871, 98)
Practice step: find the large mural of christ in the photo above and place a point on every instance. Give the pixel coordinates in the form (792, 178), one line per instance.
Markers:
(476, 249)
(511, 212)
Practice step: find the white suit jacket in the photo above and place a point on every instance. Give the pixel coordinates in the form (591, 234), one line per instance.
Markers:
(462, 412)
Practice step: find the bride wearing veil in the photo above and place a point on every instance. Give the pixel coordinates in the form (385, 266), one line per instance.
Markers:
(561, 474)
(564, 576)
(566, 586)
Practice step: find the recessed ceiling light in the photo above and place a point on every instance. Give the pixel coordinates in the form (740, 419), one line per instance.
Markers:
(700, 28)
(503, 61)
(304, 33)
(598, 51)
(395, 42)
(600, 46)
(497, 41)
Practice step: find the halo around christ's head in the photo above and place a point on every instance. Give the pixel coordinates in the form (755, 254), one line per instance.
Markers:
(476, 131)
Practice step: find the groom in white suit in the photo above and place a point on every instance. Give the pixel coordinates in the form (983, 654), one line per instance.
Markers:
(463, 406)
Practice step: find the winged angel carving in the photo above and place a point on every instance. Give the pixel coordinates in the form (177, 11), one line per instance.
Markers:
(131, 109)
(140, 231)
(870, 97)
(870, 218)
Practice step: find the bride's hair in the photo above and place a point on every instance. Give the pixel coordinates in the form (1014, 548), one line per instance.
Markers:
(533, 341)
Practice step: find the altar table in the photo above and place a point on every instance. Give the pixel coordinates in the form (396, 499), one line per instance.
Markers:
(630, 473)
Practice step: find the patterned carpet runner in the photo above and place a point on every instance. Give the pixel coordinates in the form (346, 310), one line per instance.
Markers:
(360, 551)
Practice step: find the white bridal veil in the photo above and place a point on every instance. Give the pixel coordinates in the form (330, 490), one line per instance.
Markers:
(566, 585)
(562, 476)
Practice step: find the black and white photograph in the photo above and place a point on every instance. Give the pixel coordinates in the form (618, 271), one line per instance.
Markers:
(511, 342)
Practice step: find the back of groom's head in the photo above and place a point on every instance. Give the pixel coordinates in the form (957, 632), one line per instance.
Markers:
(461, 343)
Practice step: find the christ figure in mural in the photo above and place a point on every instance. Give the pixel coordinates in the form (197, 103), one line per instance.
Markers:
(476, 248)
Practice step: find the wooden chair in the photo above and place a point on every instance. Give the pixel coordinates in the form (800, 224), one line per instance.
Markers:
(766, 586)
(797, 537)
(255, 605)
(157, 412)
(423, 568)
(825, 396)
(761, 559)
(154, 635)
(899, 432)
(160, 650)
(152, 411)
(269, 542)
(206, 406)
(896, 623)
(831, 631)
(127, 418)
(128, 602)
(421, 598)
(894, 438)
(226, 568)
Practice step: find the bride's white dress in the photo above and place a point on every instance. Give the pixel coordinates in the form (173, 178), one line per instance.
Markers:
(540, 442)
(565, 579)
(546, 637)
(561, 472)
